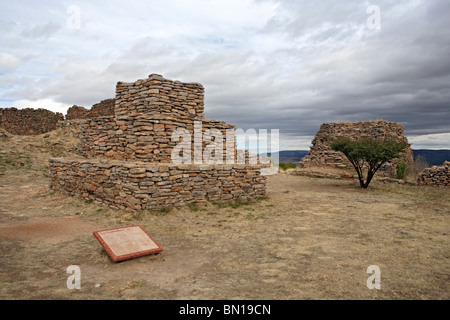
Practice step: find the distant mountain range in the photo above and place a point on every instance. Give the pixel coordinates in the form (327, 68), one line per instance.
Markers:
(433, 157)
(291, 156)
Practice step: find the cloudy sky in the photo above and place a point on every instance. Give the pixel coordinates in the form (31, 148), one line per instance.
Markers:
(287, 65)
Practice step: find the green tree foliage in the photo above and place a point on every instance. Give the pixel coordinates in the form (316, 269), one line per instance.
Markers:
(368, 153)
(402, 170)
(286, 166)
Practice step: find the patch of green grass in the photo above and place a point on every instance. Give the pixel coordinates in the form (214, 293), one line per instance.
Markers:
(45, 171)
(220, 204)
(285, 166)
(56, 150)
(193, 206)
(15, 161)
(164, 211)
(238, 203)
(234, 204)
(159, 212)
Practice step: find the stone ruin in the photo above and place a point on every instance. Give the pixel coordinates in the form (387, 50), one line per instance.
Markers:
(435, 176)
(101, 109)
(321, 154)
(29, 121)
(127, 157)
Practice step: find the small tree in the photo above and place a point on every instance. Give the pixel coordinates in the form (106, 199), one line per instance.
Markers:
(368, 153)
(286, 166)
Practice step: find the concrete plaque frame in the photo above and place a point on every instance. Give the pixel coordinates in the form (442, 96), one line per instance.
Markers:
(127, 242)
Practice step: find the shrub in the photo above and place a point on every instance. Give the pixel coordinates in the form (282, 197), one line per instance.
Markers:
(402, 170)
(285, 166)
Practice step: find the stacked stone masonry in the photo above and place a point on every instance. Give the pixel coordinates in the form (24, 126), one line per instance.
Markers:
(158, 94)
(141, 185)
(128, 157)
(29, 121)
(147, 112)
(321, 153)
(77, 112)
(145, 136)
(435, 176)
(101, 109)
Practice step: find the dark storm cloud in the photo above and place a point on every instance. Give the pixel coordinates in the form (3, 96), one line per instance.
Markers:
(291, 65)
(400, 73)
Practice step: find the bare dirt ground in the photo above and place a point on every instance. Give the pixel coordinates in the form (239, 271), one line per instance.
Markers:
(310, 238)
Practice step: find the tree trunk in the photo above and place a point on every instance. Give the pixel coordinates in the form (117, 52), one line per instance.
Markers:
(361, 183)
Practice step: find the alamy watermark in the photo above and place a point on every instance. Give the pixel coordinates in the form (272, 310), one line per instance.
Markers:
(73, 22)
(214, 146)
(373, 22)
(374, 281)
(74, 280)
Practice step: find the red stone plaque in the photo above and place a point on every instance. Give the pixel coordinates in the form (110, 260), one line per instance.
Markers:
(127, 242)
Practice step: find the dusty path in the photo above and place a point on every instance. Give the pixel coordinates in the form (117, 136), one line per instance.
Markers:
(311, 239)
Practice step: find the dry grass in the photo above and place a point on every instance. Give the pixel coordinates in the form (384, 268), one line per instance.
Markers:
(309, 239)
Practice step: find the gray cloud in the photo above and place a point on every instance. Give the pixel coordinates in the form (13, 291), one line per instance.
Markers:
(290, 65)
(42, 31)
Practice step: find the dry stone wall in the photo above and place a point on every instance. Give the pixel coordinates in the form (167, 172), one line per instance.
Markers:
(147, 112)
(77, 112)
(101, 109)
(435, 176)
(29, 121)
(321, 153)
(127, 157)
(140, 185)
(143, 137)
(161, 95)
